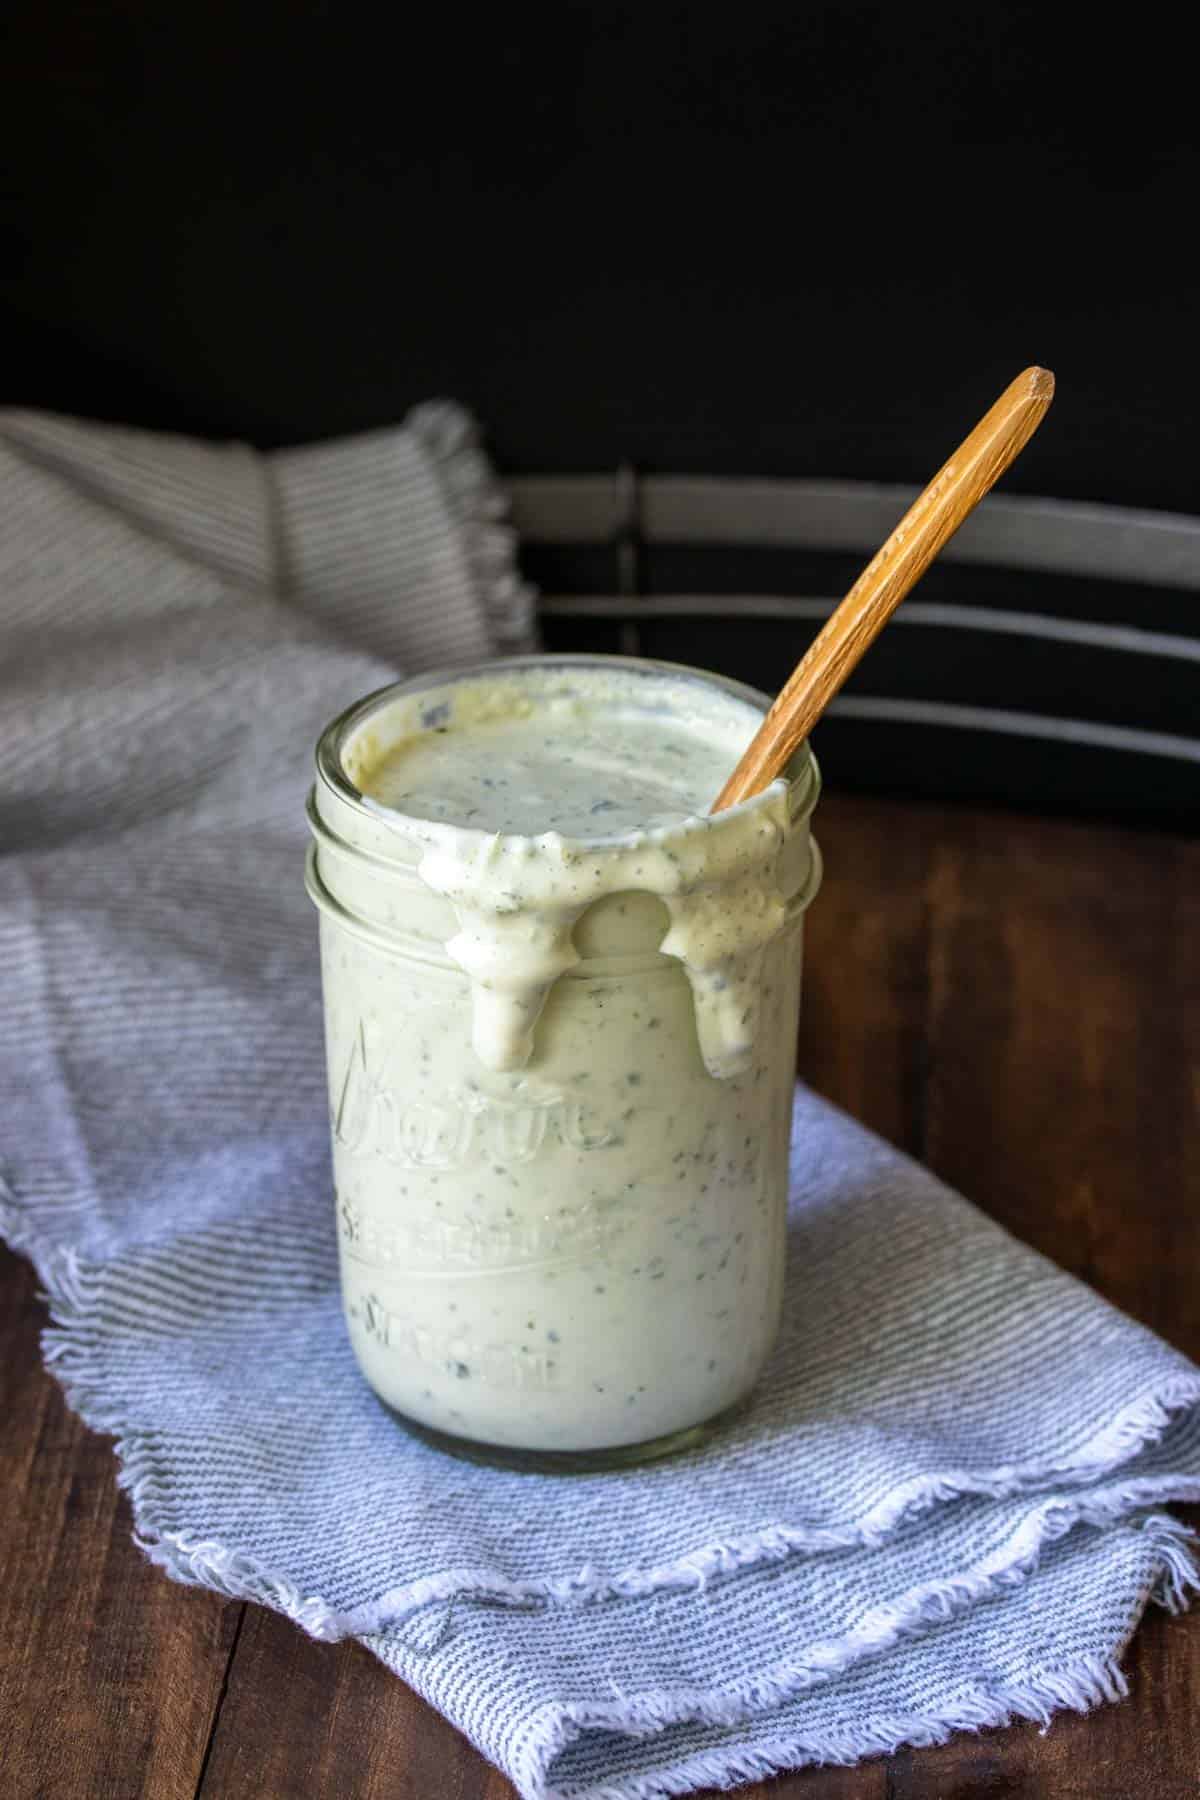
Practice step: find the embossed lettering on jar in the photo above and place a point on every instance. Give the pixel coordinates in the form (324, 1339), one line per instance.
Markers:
(561, 1006)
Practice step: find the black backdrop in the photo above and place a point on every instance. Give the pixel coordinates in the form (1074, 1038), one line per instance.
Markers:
(760, 238)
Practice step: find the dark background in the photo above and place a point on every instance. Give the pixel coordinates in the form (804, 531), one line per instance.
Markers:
(754, 239)
(764, 238)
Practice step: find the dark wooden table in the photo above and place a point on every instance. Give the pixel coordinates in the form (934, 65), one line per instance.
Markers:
(1017, 1002)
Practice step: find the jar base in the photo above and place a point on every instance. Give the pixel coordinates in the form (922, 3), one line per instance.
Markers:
(568, 1462)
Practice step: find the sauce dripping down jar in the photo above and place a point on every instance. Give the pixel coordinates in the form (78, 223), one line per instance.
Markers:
(561, 1002)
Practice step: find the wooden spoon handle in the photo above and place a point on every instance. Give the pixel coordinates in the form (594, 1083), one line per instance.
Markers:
(930, 522)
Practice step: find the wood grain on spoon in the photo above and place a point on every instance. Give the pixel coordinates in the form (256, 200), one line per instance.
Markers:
(929, 523)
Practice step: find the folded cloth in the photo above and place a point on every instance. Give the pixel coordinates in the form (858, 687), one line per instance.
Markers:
(941, 1512)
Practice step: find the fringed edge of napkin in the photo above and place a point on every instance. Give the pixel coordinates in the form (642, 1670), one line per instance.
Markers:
(1078, 1686)
(479, 507)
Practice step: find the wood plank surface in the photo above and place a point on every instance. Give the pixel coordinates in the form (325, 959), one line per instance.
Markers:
(1017, 1002)
(110, 1675)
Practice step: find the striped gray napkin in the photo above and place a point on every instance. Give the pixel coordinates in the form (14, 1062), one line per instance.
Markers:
(944, 1509)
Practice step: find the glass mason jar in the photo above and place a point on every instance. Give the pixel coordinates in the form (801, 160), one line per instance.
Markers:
(572, 1256)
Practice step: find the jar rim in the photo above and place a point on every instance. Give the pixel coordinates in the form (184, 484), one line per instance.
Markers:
(802, 768)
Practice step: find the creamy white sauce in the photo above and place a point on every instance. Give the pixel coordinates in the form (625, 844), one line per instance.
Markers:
(569, 767)
(530, 814)
(560, 1154)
